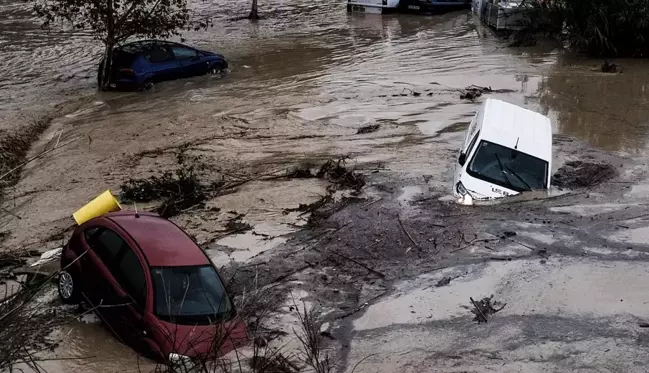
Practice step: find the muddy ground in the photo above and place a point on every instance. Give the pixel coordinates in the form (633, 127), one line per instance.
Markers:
(392, 269)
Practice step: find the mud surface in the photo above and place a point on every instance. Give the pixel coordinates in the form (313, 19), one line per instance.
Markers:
(309, 84)
(578, 174)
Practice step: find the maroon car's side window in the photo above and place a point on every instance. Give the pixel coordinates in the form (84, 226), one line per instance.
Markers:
(121, 261)
(90, 233)
(107, 245)
(130, 276)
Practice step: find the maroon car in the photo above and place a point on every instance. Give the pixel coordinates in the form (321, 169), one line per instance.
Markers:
(151, 285)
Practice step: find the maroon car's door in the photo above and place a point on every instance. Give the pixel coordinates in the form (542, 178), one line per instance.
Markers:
(98, 284)
(131, 278)
(110, 260)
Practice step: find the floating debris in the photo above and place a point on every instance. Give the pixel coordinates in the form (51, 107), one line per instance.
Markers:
(177, 190)
(368, 129)
(473, 91)
(609, 67)
(443, 282)
(484, 308)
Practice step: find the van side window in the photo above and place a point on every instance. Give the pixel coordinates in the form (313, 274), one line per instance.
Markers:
(130, 276)
(472, 144)
(107, 245)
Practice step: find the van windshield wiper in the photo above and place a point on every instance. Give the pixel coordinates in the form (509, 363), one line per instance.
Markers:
(502, 170)
(529, 188)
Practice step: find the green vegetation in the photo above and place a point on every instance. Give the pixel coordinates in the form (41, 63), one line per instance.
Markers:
(601, 27)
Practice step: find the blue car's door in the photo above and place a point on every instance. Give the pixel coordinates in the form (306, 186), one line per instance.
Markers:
(190, 60)
(162, 63)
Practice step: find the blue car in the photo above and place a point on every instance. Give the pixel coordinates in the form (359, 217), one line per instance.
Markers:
(141, 64)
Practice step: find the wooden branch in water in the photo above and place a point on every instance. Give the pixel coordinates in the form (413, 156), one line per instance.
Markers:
(407, 234)
(479, 310)
(372, 270)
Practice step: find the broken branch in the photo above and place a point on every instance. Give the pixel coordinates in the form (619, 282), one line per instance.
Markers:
(406, 232)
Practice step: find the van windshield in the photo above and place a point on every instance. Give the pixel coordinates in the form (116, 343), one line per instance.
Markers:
(190, 295)
(508, 168)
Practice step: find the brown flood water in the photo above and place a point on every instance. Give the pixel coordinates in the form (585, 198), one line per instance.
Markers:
(310, 69)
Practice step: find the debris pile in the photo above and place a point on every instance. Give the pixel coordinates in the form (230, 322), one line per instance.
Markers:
(185, 188)
(311, 207)
(334, 171)
(484, 308)
(236, 224)
(443, 282)
(368, 129)
(177, 190)
(338, 174)
(609, 67)
(579, 174)
(473, 91)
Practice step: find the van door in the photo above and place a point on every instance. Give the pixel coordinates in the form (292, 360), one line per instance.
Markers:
(472, 135)
(473, 127)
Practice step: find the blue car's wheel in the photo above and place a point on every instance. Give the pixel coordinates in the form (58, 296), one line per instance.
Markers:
(147, 85)
(218, 68)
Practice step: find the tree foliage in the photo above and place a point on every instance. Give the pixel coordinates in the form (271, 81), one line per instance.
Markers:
(115, 21)
(602, 27)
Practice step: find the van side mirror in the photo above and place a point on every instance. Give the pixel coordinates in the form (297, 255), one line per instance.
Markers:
(462, 159)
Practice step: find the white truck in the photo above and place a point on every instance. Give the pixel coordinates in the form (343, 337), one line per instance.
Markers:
(408, 6)
(503, 14)
(507, 150)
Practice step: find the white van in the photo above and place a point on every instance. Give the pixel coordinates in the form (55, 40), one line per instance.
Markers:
(507, 150)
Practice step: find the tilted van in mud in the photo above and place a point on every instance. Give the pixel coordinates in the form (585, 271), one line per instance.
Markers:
(507, 150)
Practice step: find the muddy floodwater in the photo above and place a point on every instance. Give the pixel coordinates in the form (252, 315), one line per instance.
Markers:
(302, 81)
(338, 68)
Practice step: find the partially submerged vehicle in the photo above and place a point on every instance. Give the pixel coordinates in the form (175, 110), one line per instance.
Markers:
(405, 6)
(140, 64)
(507, 150)
(504, 15)
(152, 286)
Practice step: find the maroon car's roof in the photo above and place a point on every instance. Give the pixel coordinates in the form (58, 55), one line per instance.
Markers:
(162, 242)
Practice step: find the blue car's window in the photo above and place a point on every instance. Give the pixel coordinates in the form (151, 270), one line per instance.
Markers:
(182, 53)
(159, 54)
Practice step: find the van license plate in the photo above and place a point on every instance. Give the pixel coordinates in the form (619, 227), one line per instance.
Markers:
(413, 7)
(358, 8)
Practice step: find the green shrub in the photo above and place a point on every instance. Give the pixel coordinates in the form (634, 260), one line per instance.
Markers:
(602, 27)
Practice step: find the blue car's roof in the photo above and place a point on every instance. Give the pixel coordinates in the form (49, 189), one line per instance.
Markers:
(142, 45)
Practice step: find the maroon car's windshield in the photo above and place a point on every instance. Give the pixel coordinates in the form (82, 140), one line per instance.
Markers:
(190, 295)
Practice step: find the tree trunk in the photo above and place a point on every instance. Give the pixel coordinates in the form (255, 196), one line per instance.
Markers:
(106, 67)
(253, 12)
